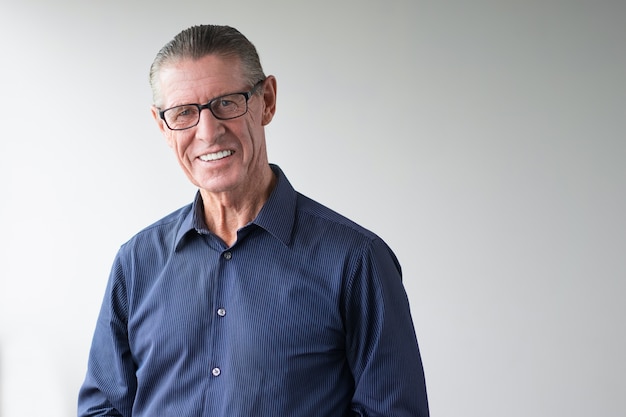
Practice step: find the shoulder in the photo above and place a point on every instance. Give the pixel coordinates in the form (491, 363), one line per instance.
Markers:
(322, 220)
(328, 236)
(162, 233)
(319, 222)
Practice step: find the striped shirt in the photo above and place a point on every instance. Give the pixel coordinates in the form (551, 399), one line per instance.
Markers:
(305, 315)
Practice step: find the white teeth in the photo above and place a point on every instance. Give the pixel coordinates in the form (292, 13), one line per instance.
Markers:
(215, 156)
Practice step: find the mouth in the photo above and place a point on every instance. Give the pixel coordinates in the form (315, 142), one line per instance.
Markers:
(215, 156)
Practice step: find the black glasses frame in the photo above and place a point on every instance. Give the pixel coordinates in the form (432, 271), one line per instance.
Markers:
(201, 107)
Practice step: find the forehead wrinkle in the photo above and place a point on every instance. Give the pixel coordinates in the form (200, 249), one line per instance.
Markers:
(190, 81)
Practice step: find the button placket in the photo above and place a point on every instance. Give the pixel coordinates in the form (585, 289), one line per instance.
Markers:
(221, 312)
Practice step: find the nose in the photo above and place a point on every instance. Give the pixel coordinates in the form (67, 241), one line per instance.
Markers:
(209, 129)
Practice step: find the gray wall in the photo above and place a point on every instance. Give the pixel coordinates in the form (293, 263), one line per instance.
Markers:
(485, 141)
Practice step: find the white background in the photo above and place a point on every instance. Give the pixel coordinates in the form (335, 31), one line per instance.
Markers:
(483, 140)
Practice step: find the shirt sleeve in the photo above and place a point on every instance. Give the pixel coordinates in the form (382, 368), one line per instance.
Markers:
(382, 347)
(110, 384)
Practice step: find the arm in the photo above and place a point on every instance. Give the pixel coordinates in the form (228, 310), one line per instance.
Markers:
(110, 384)
(382, 347)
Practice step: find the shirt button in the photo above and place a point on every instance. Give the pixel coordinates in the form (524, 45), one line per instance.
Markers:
(221, 312)
(228, 255)
(216, 371)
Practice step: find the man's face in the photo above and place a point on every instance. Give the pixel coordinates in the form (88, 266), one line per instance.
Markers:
(217, 155)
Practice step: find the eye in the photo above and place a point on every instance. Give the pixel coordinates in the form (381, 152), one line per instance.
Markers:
(183, 112)
(181, 117)
(225, 103)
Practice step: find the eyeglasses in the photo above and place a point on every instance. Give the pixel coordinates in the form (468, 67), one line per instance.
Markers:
(225, 107)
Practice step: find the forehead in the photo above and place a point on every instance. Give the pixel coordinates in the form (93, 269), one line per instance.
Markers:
(199, 80)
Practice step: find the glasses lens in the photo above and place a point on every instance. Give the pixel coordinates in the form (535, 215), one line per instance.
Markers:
(229, 107)
(182, 117)
(223, 108)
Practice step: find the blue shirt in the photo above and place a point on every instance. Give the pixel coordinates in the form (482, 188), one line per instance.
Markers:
(305, 316)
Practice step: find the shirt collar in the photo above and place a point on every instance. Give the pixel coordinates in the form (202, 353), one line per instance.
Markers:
(276, 217)
(278, 214)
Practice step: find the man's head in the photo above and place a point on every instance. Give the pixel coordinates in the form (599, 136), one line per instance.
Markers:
(198, 41)
(212, 102)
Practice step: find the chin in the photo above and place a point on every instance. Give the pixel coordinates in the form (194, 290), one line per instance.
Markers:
(217, 186)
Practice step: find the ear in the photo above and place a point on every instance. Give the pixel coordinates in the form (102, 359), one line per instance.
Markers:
(162, 127)
(269, 99)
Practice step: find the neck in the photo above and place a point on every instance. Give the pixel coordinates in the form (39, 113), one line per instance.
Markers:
(227, 212)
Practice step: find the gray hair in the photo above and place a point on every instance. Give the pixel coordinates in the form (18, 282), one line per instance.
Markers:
(197, 42)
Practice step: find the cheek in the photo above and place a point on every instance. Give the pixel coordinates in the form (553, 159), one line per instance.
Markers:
(253, 135)
(169, 138)
(178, 143)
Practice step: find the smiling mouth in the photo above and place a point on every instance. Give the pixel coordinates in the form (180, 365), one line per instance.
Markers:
(215, 156)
